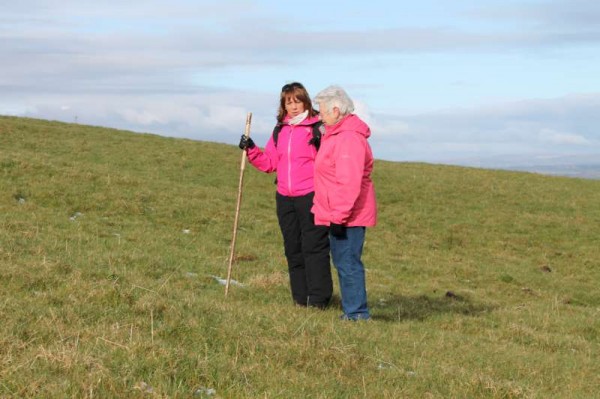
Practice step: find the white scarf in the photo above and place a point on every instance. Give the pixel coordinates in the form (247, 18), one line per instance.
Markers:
(298, 118)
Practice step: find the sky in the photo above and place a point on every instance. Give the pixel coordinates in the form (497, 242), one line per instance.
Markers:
(461, 82)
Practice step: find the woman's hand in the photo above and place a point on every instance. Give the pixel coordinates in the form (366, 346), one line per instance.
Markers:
(337, 230)
(246, 142)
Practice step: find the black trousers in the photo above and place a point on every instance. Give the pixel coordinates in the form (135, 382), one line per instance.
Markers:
(306, 249)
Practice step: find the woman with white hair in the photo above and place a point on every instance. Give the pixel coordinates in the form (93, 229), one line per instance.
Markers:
(344, 194)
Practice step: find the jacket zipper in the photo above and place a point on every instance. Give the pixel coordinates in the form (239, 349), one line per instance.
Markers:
(289, 158)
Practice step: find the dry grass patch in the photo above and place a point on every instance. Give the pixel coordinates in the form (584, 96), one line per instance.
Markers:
(269, 280)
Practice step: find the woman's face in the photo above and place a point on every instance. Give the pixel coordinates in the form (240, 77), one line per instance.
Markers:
(293, 106)
(329, 116)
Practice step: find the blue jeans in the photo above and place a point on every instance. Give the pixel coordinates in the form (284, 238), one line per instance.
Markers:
(346, 253)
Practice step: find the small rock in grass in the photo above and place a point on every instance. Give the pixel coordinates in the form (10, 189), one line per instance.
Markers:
(223, 281)
(204, 392)
(145, 388)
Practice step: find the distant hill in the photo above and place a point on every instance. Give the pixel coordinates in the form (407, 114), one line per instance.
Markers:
(584, 171)
(581, 166)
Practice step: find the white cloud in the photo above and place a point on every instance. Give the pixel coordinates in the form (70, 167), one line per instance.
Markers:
(141, 117)
(555, 137)
(561, 125)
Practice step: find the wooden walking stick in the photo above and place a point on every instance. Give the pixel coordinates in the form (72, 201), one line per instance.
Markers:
(239, 201)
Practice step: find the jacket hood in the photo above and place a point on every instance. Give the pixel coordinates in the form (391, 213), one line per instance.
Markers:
(350, 122)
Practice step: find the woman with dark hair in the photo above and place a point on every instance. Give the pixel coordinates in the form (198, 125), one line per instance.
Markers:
(291, 152)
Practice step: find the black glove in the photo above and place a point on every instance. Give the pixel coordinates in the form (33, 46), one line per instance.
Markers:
(337, 230)
(246, 142)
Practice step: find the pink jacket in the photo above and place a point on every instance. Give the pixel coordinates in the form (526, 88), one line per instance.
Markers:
(344, 192)
(293, 158)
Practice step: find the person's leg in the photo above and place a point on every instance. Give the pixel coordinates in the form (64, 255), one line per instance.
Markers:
(290, 229)
(315, 249)
(346, 253)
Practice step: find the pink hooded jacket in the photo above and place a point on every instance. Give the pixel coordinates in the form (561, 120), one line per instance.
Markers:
(344, 192)
(293, 158)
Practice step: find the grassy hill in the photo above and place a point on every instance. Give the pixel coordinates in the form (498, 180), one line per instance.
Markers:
(482, 283)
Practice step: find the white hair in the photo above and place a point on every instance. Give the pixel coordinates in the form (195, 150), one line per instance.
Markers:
(335, 96)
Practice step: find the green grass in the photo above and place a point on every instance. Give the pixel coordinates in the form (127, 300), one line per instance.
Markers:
(481, 283)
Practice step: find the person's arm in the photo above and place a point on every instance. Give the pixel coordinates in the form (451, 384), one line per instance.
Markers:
(265, 161)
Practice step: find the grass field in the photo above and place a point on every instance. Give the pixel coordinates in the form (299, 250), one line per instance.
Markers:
(481, 283)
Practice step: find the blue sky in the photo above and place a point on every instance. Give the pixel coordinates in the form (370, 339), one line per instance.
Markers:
(448, 82)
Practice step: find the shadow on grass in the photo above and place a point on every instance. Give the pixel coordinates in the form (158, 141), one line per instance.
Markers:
(398, 308)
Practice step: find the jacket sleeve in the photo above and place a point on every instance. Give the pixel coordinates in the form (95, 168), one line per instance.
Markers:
(265, 161)
(350, 154)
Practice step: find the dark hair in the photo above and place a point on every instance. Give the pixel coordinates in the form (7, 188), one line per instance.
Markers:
(298, 91)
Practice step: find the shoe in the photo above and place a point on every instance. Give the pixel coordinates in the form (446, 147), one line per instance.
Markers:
(360, 316)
